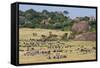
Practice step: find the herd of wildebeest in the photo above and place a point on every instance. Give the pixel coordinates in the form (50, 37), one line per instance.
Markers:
(54, 47)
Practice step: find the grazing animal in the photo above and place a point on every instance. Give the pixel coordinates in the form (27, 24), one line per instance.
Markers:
(52, 35)
(85, 50)
(34, 34)
(94, 48)
(43, 36)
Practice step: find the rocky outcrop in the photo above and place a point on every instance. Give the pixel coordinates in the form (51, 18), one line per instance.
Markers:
(80, 27)
(89, 36)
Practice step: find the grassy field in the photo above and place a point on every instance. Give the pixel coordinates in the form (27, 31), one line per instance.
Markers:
(33, 50)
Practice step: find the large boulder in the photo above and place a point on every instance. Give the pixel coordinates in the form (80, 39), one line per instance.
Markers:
(80, 27)
(89, 36)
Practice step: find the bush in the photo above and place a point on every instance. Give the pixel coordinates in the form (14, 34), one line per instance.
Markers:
(57, 25)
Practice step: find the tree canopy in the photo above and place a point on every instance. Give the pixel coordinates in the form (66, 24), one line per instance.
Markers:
(49, 20)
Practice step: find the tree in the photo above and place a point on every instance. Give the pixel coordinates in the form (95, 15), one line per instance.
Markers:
(57, 25)
(86, 18)
(31, 11)
(30, 14)
(45, 12)
(92, 25)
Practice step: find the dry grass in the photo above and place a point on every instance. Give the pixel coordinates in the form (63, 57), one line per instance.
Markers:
(70, 48)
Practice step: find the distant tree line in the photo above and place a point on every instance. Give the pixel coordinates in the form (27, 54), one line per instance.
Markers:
(49, 20)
